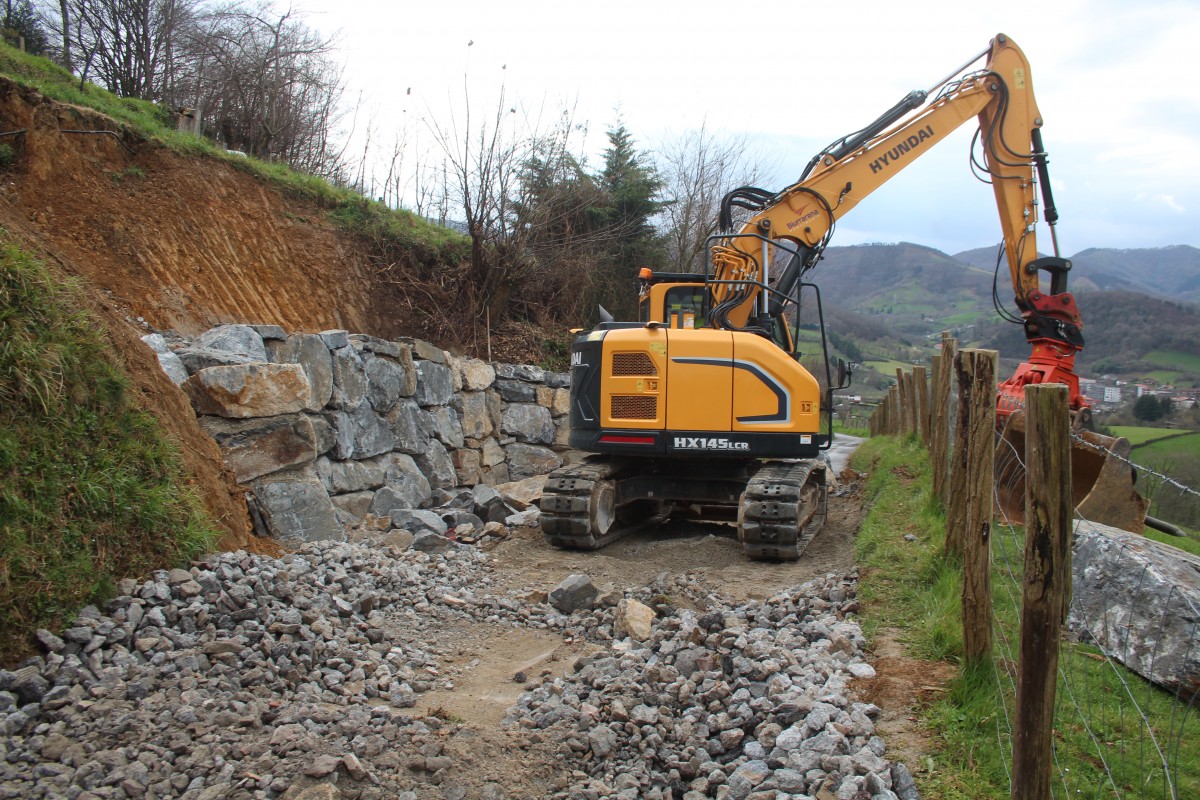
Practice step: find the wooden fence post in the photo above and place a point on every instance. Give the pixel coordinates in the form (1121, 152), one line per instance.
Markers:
(893, 414)
(977, 395)
(945, 391)
(956, 470)
(912, 417)
(922, 398)
(939, 407)
(1047, 585)
(902, 395)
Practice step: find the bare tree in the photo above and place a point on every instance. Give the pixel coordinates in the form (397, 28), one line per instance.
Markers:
(511, 173)
(265, 84)
(263, 81)
(64, 7)
(482, 161)
(697, 168)
(127, 44)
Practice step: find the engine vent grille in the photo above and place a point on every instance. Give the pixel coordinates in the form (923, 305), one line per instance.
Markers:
(633, 364)
(634, 406)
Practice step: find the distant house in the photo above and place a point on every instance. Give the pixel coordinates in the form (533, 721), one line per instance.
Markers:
(1112, 394)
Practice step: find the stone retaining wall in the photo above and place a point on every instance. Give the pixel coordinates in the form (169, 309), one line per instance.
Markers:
(323, 429)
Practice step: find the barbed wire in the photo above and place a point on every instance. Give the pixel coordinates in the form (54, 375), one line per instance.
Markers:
(1183, 489)
(1078, 437)
(1157, 751)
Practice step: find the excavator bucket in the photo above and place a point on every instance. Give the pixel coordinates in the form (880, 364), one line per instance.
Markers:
(1101, 483)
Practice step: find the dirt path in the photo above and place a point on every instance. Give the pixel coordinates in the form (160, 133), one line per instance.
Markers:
(481, 660)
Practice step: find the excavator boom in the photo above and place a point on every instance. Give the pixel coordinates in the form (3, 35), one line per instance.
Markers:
(1000, 96)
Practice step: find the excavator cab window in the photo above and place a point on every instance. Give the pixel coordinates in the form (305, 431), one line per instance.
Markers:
(781, 333)
(683, 307)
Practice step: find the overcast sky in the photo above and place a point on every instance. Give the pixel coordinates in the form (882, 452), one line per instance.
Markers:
(1115, 81)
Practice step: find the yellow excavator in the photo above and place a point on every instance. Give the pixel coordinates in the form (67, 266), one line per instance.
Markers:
(703, 403)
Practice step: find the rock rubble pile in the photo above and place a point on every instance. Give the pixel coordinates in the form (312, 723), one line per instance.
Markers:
(751, 701)
(298, 677)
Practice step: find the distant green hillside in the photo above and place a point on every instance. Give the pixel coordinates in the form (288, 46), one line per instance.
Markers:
(1171, 273)
(889, 303)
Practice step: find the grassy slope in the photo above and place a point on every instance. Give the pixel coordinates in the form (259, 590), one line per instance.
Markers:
(90, 492)
(1174, 359)
(1138, 435)
(1165, 449)
(397, 235)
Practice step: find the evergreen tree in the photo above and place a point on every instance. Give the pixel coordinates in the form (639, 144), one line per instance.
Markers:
(558, 231)
(633, 188)
(1147, 408)
(21, 23)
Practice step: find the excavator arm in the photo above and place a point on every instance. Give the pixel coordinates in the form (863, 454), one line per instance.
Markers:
(801, 218)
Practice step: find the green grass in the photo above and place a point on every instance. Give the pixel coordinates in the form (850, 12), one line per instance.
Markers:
(888, 367)
(840, 427)
(1185, 543)
(1164, 377)
(910, 588)
(1174, 359)
(1138, 435)
(1176, 455)
(1165, 449)
(90, 491)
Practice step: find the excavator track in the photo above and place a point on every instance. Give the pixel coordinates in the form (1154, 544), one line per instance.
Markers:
(579, 506)
(782, 510)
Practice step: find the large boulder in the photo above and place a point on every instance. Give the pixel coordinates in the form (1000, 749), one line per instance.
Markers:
(386, 382)
(170, 363)
(437, 465)
(410, 425)
(296, 508)
(343, 477)
(256, 447)
(474, 415)
(512, 391)
(1139, 601)
(405, 486)
(527, 460)
(360, 433)
(522, 494)
(435, 384)
(575, 592)
(349, 379)
(468, 466)
(248, 390)
(446, 425)
(528, 423)
(195, 359)
(521, 372)
(309, 351)
(476, 375)
(241, 340)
